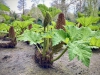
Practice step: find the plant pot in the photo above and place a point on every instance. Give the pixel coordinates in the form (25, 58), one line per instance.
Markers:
(44, 62)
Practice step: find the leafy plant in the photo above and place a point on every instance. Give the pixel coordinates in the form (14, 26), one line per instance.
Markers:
(25, 17)
(7, 17)
(69, 23)
(94, 27)
(80, 14)
(43, 9)
(20, 26)
(77, 41)
(4, 27)
(86, 21)
(95, 41)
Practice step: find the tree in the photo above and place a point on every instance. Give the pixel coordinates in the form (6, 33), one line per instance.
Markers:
(21, 5)
(88, 7)
(63, 5)
(92, 7)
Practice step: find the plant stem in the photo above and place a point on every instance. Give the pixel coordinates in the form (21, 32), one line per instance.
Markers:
(44, 47)
(60, 55)
(47, 44)
(47, 41)
(39, 49)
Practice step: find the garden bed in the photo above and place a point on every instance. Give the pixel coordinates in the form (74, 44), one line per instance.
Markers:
(18, 61)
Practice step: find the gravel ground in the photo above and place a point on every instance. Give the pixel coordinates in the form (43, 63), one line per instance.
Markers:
(18, 61)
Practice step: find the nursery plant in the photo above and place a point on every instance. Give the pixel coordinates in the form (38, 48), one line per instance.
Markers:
(76, 41)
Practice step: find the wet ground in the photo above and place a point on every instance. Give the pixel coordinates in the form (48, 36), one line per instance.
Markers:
(18, 61)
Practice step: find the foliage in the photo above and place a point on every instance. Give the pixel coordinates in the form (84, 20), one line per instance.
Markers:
(20, 26)
(94, 27)
(28, 36)
(86, 21)
(77, 40)
(25, 17)
(52, 10)
(7, 17)
(4, 7)
(80, 15)
(4, 27)
(43, 9)
(59, 35)
(95, 41)
(78, 45)
(69, 23)
(37, 28)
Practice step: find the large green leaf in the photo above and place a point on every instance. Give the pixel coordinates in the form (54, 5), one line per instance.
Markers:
(83, 33)
(25, 17)
(69, 23)
(86, 21)
(37, 28)
(73, 31)
(54, 11)
(43, 9)
(59, 35)
(81, 50)
(4, 7)
(4, 27)
(31, 36)
(95, 41)
(7, 17)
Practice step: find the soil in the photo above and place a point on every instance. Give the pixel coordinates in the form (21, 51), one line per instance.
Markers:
(18, 61)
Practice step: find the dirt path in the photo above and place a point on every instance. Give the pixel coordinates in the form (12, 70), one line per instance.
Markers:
(18, 61)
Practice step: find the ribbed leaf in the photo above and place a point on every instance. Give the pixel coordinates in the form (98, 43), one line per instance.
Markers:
(95, 41)
(86, 21)
(59, 36)
(83, 33)
(82, 51)
(31, 36)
